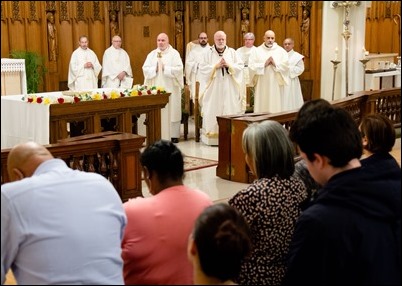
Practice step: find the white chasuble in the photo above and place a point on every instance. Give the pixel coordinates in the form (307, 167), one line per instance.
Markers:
(114, 62)
(80, 78)
(270, 80)
(293, 97)
(221, 93)
(171, 78)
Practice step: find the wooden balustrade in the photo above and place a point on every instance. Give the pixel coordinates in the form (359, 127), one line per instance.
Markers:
(121, 110)
(231, 162)
(115, 155)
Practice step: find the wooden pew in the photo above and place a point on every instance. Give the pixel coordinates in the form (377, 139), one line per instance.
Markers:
(231, 162)
(115, 155)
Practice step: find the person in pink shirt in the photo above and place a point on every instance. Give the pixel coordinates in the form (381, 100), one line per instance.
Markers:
(154, 246)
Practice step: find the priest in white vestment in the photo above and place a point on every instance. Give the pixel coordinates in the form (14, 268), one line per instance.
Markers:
(116, 71)
(84, 68)
(244, 53)
(222, 71)
(269, 67)
(164, 67)
(193, 58)
(293, 97)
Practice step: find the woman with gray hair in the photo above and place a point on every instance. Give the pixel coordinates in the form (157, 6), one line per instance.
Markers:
(271, 204)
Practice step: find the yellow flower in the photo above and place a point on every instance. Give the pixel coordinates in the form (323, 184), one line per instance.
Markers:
(47, 100)
(134, 92)
(97, 96)
(114, 94)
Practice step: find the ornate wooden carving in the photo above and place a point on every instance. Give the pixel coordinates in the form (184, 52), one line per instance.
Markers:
(211, 9)
(97, 15)
(50, 6)
(146, 32)
(154, 8)
(387, 9)
(196, 10)
(2, 9)
(292, 9)
(64, 15)
(32, 12)
(261, 10)
(80, 11)
(229, 9)
(137, 8)
(163, 8)
(128, 8)
(145, 7)
(179, 5)
(277, 9)
(114, 5)
(244, 4)
(306, 4)
(16, 15)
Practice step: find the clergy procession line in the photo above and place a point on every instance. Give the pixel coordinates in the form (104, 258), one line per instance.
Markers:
(223, 74)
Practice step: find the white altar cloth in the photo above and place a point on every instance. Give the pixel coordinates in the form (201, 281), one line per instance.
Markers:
(381, 80)
(22, 121)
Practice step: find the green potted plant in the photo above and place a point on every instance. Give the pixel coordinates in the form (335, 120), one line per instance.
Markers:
(34, 67)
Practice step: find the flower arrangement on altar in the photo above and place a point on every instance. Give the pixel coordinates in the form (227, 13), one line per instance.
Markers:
(100, 94)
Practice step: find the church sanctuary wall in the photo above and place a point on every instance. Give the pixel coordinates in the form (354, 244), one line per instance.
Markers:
(24, 26)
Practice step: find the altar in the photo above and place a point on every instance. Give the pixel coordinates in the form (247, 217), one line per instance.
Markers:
(47, 123)
(383, 79)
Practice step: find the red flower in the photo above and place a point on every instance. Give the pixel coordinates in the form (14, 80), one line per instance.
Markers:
(104, 95)
(39, 100)
(139, 93)
(149, 92)
(76, 99)
(158, 91)
(122, 94)
(60, 100)
(30, 99)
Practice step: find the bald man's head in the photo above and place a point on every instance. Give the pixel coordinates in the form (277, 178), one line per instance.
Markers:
(269, 38)
(162, 41)
(24, 158)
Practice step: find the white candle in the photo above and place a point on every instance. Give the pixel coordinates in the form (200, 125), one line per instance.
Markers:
(336, 53)
(364, 52)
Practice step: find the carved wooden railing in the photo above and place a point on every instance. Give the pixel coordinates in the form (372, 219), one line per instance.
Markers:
(115, 155)
(231, 163)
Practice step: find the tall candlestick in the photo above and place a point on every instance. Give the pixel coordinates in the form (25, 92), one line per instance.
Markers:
(335, 63)
(364, 61)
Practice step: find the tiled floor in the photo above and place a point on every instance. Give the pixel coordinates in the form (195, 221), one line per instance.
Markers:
(204, 179)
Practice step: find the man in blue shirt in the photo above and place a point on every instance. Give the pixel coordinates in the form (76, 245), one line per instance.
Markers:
(58, 225)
